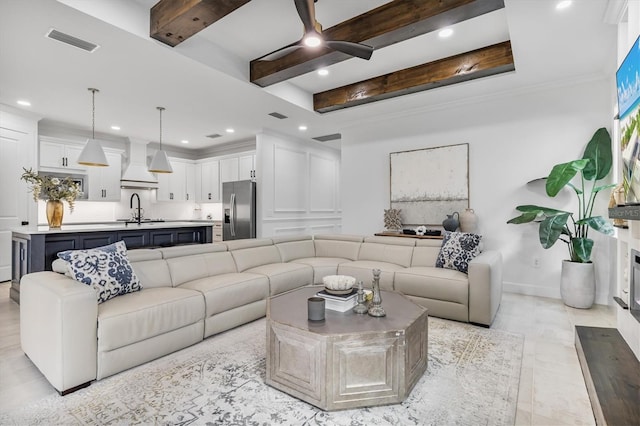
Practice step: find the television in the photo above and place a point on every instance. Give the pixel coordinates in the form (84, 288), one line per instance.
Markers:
(628, 81)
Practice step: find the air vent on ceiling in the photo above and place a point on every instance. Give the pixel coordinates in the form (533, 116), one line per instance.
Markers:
(214, 135)
(71, 40)
(278, 115)
(327, 138)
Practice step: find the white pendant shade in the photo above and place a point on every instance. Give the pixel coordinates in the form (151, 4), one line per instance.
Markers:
(92, 154)
(160, 163)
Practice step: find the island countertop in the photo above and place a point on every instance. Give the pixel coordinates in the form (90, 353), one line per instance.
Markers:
(109, 226)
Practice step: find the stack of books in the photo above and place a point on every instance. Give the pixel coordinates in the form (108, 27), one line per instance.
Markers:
(339, 302)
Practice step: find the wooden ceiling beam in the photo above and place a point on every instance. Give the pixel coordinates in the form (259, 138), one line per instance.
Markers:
(390, 23)
(478, 63)
(174, 21)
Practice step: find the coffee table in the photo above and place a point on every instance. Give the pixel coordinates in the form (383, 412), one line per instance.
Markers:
(347, 360)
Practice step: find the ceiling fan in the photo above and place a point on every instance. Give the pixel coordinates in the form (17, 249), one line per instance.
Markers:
(313, 36)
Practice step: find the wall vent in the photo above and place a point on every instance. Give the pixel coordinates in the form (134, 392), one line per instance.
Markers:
(214, 135)
(327, 138)
(278, 115)
(71, 40)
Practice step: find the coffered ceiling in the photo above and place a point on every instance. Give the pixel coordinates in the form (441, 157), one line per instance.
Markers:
(205, 81)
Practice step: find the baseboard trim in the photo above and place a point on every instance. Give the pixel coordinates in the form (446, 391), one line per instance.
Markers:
(549, 292)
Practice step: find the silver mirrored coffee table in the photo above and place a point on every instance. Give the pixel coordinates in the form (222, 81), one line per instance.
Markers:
(347, 360)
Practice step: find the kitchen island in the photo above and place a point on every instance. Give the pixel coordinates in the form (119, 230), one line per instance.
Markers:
(34, 248)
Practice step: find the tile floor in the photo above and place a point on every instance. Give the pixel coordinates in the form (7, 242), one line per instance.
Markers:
(552, 390)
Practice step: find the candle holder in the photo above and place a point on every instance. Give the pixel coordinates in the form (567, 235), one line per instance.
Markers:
(375, 309)
(361, 307)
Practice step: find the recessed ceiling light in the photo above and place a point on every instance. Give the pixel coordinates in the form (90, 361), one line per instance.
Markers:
(184, 141)
(24, 103)
(323, 71)
(563, 4)
(115, 127)
(230, 130)
(447, 32)
(302, 128)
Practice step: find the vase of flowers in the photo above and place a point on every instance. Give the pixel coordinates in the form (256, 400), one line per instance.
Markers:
(54, 190)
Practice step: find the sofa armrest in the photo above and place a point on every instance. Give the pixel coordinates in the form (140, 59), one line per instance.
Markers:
(58, 328)
(485, 287)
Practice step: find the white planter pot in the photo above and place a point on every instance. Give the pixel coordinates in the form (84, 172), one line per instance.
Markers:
(578, 284)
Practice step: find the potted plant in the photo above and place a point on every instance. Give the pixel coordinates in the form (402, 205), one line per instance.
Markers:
(577, 283)
(54, 191)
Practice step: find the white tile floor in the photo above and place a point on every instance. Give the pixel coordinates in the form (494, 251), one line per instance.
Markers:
(552, 390)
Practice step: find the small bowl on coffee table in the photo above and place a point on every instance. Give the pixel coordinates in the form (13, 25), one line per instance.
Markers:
(338, 284)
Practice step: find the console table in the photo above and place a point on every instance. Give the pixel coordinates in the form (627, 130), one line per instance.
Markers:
(396, 234)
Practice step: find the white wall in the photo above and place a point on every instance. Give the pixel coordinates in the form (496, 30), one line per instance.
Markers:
(298, 187)
(512, 140)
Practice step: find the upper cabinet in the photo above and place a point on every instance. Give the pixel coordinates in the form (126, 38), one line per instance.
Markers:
(104, 182)
(229, 169)
(58, 154)
(209, 181)
(179, 185)
(247, 167)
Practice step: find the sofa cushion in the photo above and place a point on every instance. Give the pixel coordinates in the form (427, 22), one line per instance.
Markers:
(390, 253)
(190, 249)
(363, 271)
(138, 316)
(152, 273)
(255, 256)
(285, 276)
(106, 269)
(458, 249)
(337, 248)
(322, 266)
(433, 283)
(228, 291)
(189, 268)
(291, 250)
(425, 253)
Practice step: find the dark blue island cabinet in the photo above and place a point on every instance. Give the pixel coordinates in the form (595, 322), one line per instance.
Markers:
(34, 251)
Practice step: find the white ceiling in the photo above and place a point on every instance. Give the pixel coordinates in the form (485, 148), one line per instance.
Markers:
(203, 82)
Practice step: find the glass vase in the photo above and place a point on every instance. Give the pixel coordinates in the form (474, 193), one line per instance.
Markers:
(55, 211)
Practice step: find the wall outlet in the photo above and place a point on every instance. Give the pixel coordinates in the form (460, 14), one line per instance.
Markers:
(536, 262)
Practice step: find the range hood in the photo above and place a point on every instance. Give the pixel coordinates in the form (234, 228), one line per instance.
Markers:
(135, 173)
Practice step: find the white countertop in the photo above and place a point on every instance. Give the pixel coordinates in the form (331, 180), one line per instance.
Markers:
(110, 226)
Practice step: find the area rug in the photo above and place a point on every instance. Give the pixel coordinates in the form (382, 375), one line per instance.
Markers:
(472, 379)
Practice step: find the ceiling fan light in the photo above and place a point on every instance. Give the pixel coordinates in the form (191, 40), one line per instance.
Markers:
(312, 40)
(92, 154)
(160, 163)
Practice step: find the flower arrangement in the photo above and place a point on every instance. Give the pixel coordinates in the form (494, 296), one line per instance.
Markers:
(53, 188)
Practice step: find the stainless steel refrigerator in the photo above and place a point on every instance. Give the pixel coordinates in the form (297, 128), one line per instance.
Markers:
(239, 204)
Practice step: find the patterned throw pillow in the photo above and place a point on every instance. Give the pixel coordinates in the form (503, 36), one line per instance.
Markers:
(106, 269)
(458, 249)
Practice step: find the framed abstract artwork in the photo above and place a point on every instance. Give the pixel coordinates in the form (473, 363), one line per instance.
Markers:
(427, 184)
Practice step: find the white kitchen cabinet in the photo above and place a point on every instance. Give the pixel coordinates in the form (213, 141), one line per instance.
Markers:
(209, 182)
(179, 185)
(190, 181)
(57, 154)
(247, 167)
(229, 168)
(104, 182)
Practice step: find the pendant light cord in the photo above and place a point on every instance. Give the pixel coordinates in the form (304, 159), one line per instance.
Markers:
(160, 109)
(93, 112)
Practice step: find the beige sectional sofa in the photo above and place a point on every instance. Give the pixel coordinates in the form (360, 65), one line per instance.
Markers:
(192, 292)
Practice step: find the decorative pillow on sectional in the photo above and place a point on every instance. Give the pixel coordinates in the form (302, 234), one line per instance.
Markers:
(458, 249)
(106, 269)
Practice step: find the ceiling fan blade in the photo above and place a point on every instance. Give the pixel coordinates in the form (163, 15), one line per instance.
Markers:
(282, 52)
(354, 49)
(307, 11)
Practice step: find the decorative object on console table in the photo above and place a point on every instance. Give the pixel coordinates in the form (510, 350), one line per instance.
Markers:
(554, 225)
(617, 196)
(54, 190)
(451, 223)
(468, 221)
(375, 309)
(392, 219)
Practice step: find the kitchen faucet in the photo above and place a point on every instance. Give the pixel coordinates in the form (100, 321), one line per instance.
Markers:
(139, 215)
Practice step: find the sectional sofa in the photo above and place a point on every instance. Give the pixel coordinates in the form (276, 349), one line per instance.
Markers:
(192, 292)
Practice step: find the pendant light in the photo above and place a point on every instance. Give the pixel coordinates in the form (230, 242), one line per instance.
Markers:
(92, 154)
(160, 162)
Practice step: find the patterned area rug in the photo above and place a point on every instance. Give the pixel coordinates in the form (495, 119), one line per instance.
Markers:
(472, 379)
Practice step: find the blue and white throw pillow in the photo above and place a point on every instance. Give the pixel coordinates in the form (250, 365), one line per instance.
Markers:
(106, 269)
(458, 249)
